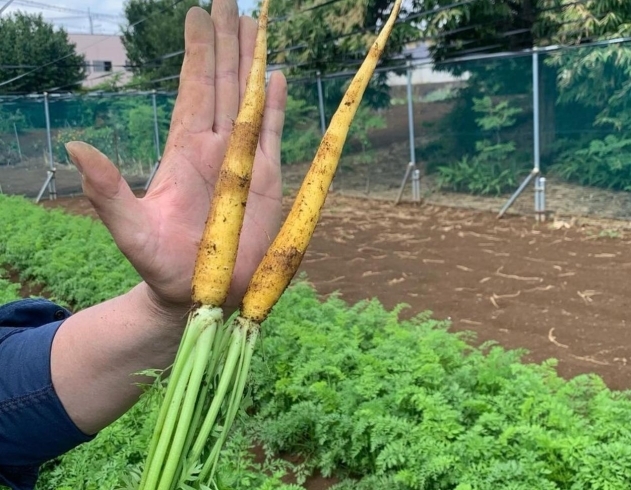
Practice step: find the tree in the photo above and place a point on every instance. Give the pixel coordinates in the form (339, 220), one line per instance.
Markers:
(595, 77)
(27, 45)
(156, 29)
(309, 36)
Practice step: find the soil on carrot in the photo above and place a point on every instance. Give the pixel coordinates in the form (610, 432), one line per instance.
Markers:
(559, 289)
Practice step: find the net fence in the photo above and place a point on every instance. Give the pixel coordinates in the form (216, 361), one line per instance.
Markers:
(467, 125)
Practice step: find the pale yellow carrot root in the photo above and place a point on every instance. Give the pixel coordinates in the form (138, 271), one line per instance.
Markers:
(284, 256)
(199, 404)
(217, 252)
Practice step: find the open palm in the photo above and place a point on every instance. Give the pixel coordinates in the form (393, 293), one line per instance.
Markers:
(160, 232)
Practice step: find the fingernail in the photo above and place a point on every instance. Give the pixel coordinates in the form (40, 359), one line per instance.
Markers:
(74, 158)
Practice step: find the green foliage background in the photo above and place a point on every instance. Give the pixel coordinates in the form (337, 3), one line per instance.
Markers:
(26, 39)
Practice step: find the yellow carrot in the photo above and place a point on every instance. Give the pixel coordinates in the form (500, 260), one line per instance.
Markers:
(285, 254)
(217, 252)
(198, 406)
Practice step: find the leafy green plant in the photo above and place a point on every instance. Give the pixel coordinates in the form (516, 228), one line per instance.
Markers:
(301, 135)
(352, 390)
(365, 121)
(101, 138)
(75, 257)
(8, 290)
(122, 128)
(408, 405)
(603, 163)
(8, 147)
(493, 169)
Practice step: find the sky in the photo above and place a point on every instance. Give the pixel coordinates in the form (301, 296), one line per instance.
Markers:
(77, 22)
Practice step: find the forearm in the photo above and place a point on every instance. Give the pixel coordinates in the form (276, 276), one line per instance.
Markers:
(97, 353)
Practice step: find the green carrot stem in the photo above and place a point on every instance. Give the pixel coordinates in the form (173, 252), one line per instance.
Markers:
(154, 465)
(219, 397)
(217, 356)
(250, 336)
(200, 360)
(176, 386)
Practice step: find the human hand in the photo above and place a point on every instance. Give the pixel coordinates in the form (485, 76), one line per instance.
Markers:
(160, 232)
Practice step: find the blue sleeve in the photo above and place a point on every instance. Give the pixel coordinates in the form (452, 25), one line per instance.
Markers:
(34, 426)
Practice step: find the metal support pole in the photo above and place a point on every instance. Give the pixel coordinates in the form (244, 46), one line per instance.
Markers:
(156, 131)
(535, 111)
(540, 199)
(537, 199)
(17, 141)
(50, 178)
(542, 202)
(536, 171)
(517, 193)
(416, 186)
(411, 168)
(411, 115)
(321, 103)
(408, 171)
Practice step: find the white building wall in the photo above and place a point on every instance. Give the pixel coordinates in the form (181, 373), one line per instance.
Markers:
(105, 56)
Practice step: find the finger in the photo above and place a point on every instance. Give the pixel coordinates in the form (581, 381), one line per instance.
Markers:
(111, 196)
(225, 15)
(247, 39)
(274, 119)
(195, 105)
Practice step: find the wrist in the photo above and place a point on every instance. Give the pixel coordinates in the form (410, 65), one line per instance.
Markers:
(165, 315)
(98, 353)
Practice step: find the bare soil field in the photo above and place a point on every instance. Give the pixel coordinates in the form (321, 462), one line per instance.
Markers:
(560, 290)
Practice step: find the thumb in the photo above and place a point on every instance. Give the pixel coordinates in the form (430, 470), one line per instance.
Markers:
(109, 193)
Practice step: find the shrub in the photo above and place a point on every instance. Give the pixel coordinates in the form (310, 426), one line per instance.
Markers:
(603, 163)
(495, 167)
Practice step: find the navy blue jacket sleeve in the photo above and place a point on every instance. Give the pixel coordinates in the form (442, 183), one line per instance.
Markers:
(34, 426)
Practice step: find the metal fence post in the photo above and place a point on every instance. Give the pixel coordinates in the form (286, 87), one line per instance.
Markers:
(17, 141)
(536, 170)
(155, 125)
(321, 104)
(50, 178)
(411, 169)
(535, 112)
(156, 131)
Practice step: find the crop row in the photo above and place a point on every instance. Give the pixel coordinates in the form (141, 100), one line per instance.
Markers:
(353, 391)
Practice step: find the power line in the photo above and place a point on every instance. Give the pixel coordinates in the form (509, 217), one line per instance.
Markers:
(417, 15)
(351, 62)
(357, 31)
(303, 11)
(18, 77)
(45, 6)
(5, 6)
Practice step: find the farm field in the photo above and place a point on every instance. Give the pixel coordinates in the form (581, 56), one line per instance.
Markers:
(560, 290)
(358, 396)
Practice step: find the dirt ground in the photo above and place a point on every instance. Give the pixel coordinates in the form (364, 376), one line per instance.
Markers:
(559, 289)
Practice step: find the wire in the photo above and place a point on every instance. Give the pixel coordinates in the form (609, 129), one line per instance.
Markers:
(5, 6)
(275, 19)
(507, 34)
(40, 67)
(45, 6)
(303, 11)
(370, 28)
